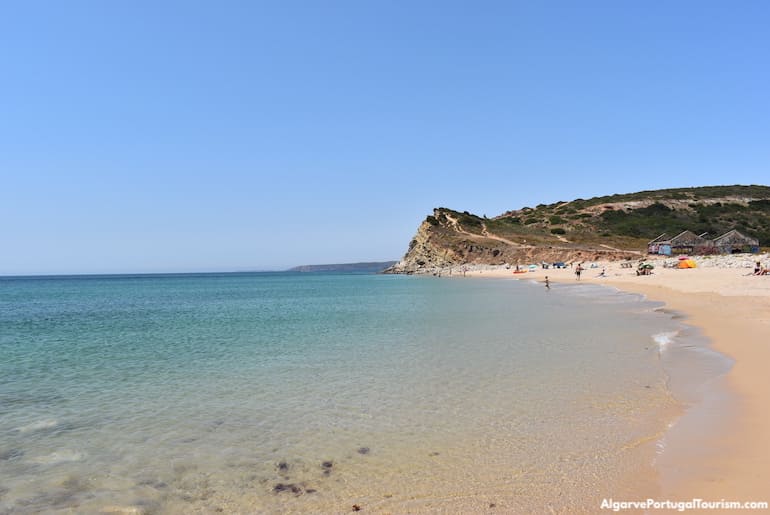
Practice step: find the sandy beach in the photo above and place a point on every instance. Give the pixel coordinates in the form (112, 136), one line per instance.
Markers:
(731, 307)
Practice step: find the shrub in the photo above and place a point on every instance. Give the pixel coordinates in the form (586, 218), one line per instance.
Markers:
(556, 220)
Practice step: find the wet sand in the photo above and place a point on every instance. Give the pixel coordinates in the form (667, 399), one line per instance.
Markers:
(732, 308)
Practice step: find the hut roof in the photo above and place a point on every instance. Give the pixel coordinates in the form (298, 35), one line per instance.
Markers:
(659, 239)
(733, 237)
(688, 238)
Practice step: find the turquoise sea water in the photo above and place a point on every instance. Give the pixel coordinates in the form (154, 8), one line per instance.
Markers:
(276, 393)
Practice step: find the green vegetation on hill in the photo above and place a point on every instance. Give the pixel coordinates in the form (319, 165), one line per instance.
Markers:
(609, 227)
(625, 221)
(714, 219)
(635, 218)
(695, 194)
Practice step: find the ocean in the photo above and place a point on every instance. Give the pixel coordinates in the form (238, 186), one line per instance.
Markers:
(322, 392)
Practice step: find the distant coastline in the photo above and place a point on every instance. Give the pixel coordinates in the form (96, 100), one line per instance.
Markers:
(370, 267)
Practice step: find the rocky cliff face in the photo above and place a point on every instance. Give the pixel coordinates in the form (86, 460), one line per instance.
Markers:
(443, 242)
(425, 252)
(612, 227)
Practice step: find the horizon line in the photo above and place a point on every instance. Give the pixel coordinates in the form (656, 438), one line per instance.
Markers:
(191, 272)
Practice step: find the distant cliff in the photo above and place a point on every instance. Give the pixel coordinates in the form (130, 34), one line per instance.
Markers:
(611, 227)
(370, 267)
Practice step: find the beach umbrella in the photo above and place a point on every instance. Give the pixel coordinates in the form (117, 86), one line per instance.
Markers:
(648, 266)
(681, 258)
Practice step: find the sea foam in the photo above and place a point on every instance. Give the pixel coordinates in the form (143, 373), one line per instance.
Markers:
(664, 339)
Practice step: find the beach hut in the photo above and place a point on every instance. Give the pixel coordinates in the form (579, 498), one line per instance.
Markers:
(733, 242)
(659, 245)
(686, 242)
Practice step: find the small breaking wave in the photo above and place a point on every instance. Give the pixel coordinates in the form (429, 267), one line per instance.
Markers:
(664, 339)
(662, 444)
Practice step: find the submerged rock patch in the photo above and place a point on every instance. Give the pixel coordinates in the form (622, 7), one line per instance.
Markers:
(287, 487)
(11, 454)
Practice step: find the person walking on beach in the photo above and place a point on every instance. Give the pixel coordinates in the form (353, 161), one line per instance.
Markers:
(547, 284)
(577, 271)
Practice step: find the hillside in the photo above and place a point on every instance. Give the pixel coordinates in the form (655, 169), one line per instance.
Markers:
(369, 267)
(610, 227)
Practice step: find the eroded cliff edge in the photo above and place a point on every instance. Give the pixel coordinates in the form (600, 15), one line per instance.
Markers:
(615, 227)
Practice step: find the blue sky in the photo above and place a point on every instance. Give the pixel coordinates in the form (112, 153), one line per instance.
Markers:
(197, 136)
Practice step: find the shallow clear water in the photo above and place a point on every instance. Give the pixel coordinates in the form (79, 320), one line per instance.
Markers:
(275, 393)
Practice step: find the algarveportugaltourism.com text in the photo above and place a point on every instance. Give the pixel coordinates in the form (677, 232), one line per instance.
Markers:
(694, 504)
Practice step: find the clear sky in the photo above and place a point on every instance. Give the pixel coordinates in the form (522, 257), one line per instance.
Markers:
(197, 136)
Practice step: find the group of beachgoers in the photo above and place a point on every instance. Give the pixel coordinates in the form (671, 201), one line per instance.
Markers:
(647, 269)
(578, 271)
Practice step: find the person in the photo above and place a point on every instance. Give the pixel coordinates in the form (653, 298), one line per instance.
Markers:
(757, 268)
(547, 284)
(577, 271)
(603, 274)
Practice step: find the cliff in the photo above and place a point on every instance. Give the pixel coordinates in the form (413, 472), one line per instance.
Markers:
(611, 228)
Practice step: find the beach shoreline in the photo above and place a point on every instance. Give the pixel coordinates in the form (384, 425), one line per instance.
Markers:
(471, 431)
(731, 307)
